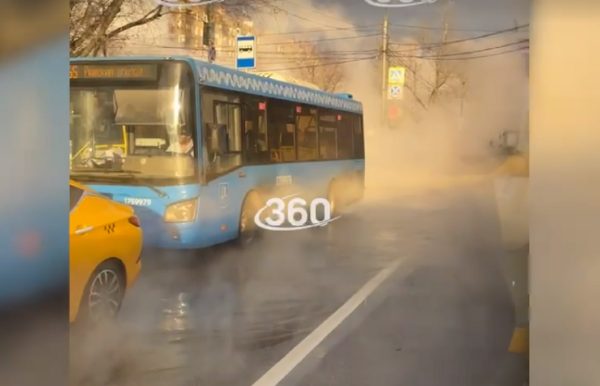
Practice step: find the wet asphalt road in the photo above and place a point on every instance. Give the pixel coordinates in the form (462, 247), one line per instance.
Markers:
(225, 316)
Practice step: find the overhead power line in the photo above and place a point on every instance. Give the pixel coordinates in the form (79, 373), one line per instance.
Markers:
(309, 62)
(304, 59)
(329, 16)
(469, 57)
(322, 64)
(431, 28)
(317, 53)
(488, 55)
(469, 52)
(270, 54)
(320, 40)
(417, 46)
(307, 19)
(322, 30)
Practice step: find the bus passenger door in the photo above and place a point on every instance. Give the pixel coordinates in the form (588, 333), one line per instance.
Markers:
(222, 122)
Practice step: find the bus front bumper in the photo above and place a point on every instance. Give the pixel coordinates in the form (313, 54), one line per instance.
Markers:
(164, 235)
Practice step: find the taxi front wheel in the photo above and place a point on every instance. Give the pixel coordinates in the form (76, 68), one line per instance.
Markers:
(104, 294)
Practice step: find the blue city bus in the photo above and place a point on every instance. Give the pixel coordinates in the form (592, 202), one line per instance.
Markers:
(197, 148)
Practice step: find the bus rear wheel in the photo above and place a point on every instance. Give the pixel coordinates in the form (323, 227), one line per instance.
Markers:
(334, 197)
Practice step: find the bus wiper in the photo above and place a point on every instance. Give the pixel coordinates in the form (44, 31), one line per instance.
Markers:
(106, 170)
(126, 173)
(161, 193)
(132, 173)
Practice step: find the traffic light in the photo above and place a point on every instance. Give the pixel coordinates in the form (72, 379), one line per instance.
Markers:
(394, 114)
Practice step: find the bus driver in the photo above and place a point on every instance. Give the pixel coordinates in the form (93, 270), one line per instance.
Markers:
(183, 145)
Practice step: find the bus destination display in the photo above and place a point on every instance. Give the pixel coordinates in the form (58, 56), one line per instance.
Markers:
(114, 71)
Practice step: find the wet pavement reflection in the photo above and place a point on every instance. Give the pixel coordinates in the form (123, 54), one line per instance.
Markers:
(224, 315)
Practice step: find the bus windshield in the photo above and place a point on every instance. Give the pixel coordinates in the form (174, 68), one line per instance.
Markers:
(132, 121)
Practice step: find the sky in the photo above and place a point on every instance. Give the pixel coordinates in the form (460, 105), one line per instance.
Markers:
(469, 17)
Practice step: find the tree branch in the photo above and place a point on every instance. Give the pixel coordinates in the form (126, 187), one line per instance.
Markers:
(96, 32)
(147, 18)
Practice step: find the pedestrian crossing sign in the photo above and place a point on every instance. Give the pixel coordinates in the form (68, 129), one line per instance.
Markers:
(395, 92)
(396, 75)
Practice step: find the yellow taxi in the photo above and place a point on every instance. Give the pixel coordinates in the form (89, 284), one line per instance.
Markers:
(105, 241)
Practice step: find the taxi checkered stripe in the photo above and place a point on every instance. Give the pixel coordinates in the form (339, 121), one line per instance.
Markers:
(254, 84)
(110, 228)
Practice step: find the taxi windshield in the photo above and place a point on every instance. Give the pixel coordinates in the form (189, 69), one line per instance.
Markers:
(132, 128)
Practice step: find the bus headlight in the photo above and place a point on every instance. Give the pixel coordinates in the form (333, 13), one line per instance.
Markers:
(183, 211)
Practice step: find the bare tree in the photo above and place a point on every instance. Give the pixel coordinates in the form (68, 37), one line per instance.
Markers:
(446, 77)
(321, 72)
(242, 9)
(429, 80)
(316, 67)
(93, 23)
(446, 81)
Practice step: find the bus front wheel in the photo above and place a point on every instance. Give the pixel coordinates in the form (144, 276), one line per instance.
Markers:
(249, 231)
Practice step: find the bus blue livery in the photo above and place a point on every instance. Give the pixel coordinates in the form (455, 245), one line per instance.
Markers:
(198, 148)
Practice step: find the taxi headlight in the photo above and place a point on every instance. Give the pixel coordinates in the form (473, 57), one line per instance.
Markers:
(183, 211)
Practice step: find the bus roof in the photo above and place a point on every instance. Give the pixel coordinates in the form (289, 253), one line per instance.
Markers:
(231, 79)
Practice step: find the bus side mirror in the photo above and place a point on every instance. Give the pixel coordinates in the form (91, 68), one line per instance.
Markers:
(216, 138)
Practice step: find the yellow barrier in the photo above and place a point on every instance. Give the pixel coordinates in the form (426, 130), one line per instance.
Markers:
(516, 165)
(519, 344)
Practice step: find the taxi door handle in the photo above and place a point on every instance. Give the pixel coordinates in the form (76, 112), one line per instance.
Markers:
(83, 230)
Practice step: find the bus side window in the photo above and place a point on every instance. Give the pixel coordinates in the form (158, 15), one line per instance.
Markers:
(216, 140)
(282, 131)
(345, 144)
(306, 133)
(255, 146)
(328, 134)
(359, 144)
(229, 116)
(222, 130)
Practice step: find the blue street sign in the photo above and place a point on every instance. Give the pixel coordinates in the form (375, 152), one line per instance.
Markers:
(246, 52)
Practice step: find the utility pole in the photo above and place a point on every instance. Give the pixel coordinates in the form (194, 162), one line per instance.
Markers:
(446, 16)
(208, 34)
(384, 71)
(440, 51)
(445, 34)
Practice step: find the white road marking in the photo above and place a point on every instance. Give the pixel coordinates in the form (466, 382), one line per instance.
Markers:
(286, 364)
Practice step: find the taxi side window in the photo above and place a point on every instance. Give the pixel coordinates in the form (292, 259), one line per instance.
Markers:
(75, 195)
